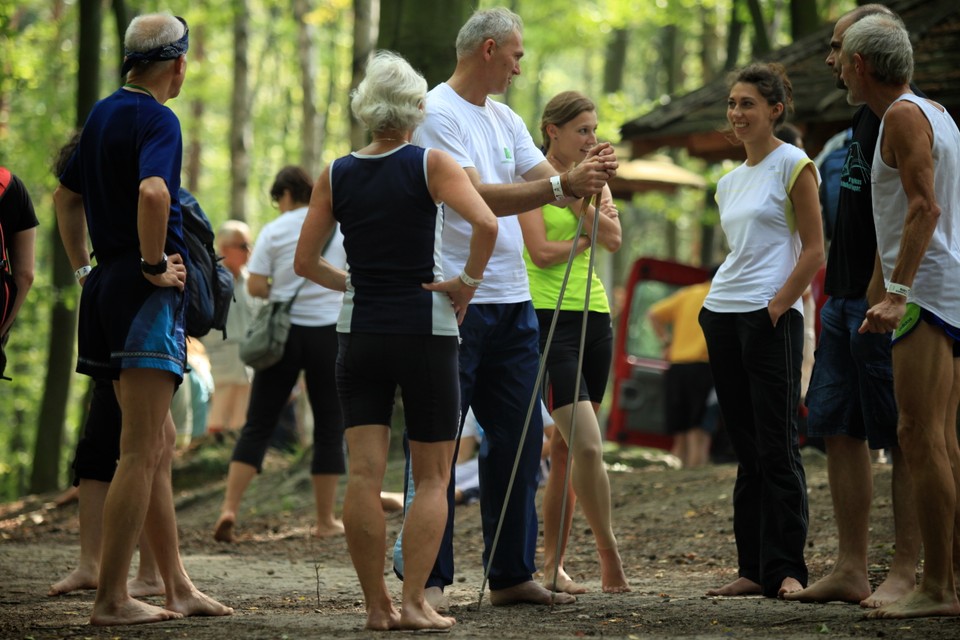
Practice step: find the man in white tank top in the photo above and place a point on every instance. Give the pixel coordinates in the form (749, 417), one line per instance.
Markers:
(916, 202)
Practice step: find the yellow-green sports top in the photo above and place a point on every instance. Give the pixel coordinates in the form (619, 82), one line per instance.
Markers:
(561, 224)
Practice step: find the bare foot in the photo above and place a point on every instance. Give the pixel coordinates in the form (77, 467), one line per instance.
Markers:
(141, 587)
(611, 572)
(565, 583)
(223, 531)
(529, 592)
(889, 591)
(789, 585)
(329, 529)
(130, 612)
(70, 495)
(437, 600)
(739, 587)
(383, 619)
(196, 603)
(422, 616)
(79, 578)
(833, 586)
(918, 604)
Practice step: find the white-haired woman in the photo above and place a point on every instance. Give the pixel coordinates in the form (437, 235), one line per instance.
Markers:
(398, 324)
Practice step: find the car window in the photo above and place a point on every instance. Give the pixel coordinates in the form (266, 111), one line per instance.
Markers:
(642, 341)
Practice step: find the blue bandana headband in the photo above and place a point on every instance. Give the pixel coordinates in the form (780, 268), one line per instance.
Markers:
(170, 51)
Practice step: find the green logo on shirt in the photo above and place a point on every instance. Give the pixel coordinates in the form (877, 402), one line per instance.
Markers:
(506, 154)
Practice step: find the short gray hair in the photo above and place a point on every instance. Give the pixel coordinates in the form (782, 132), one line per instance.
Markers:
(885, 43)
(391, 94)
(152, 30)
(498, 23)
(231, 229)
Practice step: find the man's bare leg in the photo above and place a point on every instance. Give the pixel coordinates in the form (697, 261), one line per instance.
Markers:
(93, 493)
(698, 447)
(552, 527)
(924, 381)
(239, 476)
(161, 528)
(902, 577)
(325, 497)
(148, 581)
(364, 522)
(144, 396)
(423, 528)
(851, 487)
(953, 450)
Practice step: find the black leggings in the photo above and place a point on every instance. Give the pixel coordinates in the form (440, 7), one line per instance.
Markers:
(314, 351)
(564, 354)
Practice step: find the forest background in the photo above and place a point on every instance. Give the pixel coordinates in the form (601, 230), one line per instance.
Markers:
(269, 84)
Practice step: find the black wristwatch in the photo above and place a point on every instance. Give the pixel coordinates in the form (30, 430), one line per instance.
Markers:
(154, 269)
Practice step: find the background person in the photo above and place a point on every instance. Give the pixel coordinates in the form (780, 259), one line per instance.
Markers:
(311, 347)
(398, 325)
(568, 127)
(770, 214)
(18, 223)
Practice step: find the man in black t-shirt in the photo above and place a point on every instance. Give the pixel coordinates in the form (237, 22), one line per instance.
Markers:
(850, 398)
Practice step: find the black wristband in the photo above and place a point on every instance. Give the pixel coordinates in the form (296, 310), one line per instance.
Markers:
(154, 269)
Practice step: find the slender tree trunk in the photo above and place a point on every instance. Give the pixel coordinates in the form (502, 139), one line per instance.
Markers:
(761, 40)
(366, 27)
(306, 46)
(331, 93)
(194, 148)
(672, 62)
(615, 60)
(734, 34)
(45, 475)
(240, 113)
(803, 18)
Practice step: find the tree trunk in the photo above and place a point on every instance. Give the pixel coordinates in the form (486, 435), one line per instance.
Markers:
(240, 113)
(402, 29)
(803, 18)
(195, 145)
(306, 47)
(615, 60)
(734, 33)
(366, 27)
(761, 40)
(45, 475)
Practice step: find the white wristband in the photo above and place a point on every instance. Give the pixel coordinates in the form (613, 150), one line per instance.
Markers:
(899, 289)
(470, 282)
(82, 272)
(557, 187)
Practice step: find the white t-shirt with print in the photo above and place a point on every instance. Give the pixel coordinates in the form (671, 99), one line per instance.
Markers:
(493, 140)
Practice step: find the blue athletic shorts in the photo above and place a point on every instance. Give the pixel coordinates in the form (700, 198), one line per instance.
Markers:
(851, 389)
(371, 366)
(914, 314)
(128, 323)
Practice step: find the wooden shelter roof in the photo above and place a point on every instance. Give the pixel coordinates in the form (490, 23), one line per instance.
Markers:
(693, 121)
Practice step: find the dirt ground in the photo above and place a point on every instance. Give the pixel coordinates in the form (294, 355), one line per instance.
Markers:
(674, 528)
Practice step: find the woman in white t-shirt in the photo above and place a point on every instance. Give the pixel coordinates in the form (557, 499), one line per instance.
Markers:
(752, 319)
(311, 348)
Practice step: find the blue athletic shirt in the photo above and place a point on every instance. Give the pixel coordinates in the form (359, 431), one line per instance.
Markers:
(127, 138)
(391, 232)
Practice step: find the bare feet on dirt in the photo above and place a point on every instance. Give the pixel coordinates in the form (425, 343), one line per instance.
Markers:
(789, 585)
(196, 603)
(611, 572)
(918, 604)
(142, 587)
(739, 587)
(329, 529)
(889, 591)
(130, 612)
(391, 501)
(565, 583)
(383, 619)
(437, 599)
(418, 616)
(223, 531)
(78, 579)
(528, 592)
(833, 587)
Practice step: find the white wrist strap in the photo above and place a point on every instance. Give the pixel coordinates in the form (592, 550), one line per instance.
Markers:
(898, 289)
(470, 282)
(82, 272)
(557, 187)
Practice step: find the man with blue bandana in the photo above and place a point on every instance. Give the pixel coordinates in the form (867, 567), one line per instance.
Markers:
(121, 185)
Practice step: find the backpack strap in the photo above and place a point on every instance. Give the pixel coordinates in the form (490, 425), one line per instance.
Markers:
(303, 281)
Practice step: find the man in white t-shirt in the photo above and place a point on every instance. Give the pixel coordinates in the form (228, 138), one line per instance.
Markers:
(916, 208)
(499, 352)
